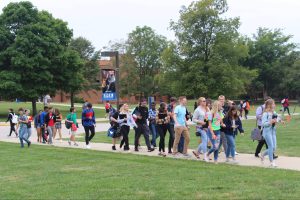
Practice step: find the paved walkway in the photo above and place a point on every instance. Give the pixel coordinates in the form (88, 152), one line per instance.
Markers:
(283, 162)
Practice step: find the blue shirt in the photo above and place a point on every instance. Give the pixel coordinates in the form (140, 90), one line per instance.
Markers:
(180, 112)
(88, 117)
(152, 115)
(42, 118)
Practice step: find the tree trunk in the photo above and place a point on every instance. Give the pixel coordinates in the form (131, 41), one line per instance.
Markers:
(72, 99)
(33, 102)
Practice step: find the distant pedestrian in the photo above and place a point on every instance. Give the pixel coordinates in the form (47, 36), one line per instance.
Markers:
(57, 127)
(89, 123)
(12, 118)
(29, 126)
(246, 107)
(50, 120)
(43, 124)
(162, 121)
(72, 119)
(285, 104)
(37, 125)
(152, 124)
(107, 106)
(22, 124)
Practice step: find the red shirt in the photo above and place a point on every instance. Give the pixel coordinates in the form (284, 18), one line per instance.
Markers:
(286, 103)
(51, 120)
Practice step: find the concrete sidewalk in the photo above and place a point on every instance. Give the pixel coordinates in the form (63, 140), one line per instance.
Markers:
(283, 162)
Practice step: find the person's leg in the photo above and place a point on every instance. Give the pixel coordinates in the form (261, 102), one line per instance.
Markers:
(25, 135)
(274, 140)
(29, 131)
(288, 109)
(92, 129)
(154, 134)
(160, 132)
(11, 129)
(49, 130)
(217, 143)
(269, 141)
(178, 131)
(164, 130)
(138, 133)
(181, 144)
(228, 150)
(21, 137)
(204, 140)
(54, 132)
(212, 141)
(86, 130)
(125, 137)
(43, 129)
(186, 135)
(146, 132)
(171, 131)
(59, 132)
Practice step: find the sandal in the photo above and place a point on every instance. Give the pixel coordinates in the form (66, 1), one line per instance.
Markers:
(196, 155)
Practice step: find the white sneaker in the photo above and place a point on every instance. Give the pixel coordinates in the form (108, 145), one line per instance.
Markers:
(262, 158)
(227, 160)
(206, 159)
(60, 141)
(88, 146)
(236, 153)
(273, 165)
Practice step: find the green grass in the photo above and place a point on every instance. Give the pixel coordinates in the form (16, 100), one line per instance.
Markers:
(59, 173)
(287, 138)
(4, 106)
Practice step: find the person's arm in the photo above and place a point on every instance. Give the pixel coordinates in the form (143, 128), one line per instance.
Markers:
(259, 113)
(83, 118)
(266, 120)
(9, 117)
(240, 127)
(175, 116)
(94, 119)
(195, 118)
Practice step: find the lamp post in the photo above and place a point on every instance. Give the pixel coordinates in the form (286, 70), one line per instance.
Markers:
(116, 54)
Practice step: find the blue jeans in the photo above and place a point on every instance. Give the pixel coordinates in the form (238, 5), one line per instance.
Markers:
(230, 146)
(155, 135)
(23, 135)
(204, 140)
(270, 138)
(215, 144)
(181, 144)
(28, 133)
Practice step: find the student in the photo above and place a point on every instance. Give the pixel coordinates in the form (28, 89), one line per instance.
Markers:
(43, 125)
(181, 127)
(241, 109)
(152, 123)
(233, 125)
(215, 123)
(114, 123)
(200, 118)
(246, 107)
(162, 121)
(269, 121)
(125, 121)
(57, 128)
(29, 130)
(22, 123)
(107, 106)
(224, 110)
(50, 120)
(285, 104)
(170, 126)
(72, 118)
(12, 119)
(37, 126)
(142, 116)
(89, 123)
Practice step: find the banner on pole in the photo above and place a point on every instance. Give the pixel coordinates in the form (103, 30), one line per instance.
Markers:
(108, 85)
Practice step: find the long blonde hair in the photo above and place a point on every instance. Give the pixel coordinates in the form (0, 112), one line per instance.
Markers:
(268, 105)
(122, 109)
(215, 107)
(199, 103)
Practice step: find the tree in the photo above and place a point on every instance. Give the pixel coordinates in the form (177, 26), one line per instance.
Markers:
(270, 52)
(145, 46)
(212, 50)
(30, 52)
(90, 68)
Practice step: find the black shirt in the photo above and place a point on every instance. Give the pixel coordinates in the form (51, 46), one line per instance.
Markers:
(142, 111)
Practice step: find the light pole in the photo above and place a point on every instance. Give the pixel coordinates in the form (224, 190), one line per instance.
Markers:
(116, 54)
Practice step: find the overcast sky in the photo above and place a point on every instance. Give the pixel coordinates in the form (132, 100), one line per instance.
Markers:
(103, 20)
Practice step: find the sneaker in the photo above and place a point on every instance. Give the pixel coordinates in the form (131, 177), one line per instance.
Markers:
(160, 153)
(29, 143)
(151, 149)
(275, 157)
(227, 160)
(69, 142)
(136, 149)
(114, 148)
(273, 165)
(262, 158)
(196, 155)
(256, 155)
(236, 153)
(126, 148)
(75, 144)
(234, 161)
(205, 160)
(88, 146)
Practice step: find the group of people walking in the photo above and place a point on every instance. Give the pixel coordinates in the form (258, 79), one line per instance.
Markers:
(217, 125)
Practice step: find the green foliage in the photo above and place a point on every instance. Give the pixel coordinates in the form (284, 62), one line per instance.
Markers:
(33, 52)
(272, 54)
(145, 46)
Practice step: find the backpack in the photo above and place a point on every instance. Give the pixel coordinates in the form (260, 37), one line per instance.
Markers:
(14, 118)
(68, 124)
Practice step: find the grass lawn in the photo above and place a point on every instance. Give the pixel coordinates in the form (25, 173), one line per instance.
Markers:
(4, 106)
(43, 172)
(288, 138)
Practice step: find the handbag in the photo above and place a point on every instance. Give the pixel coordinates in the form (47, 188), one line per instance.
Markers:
(74, 127)
(111, 131)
